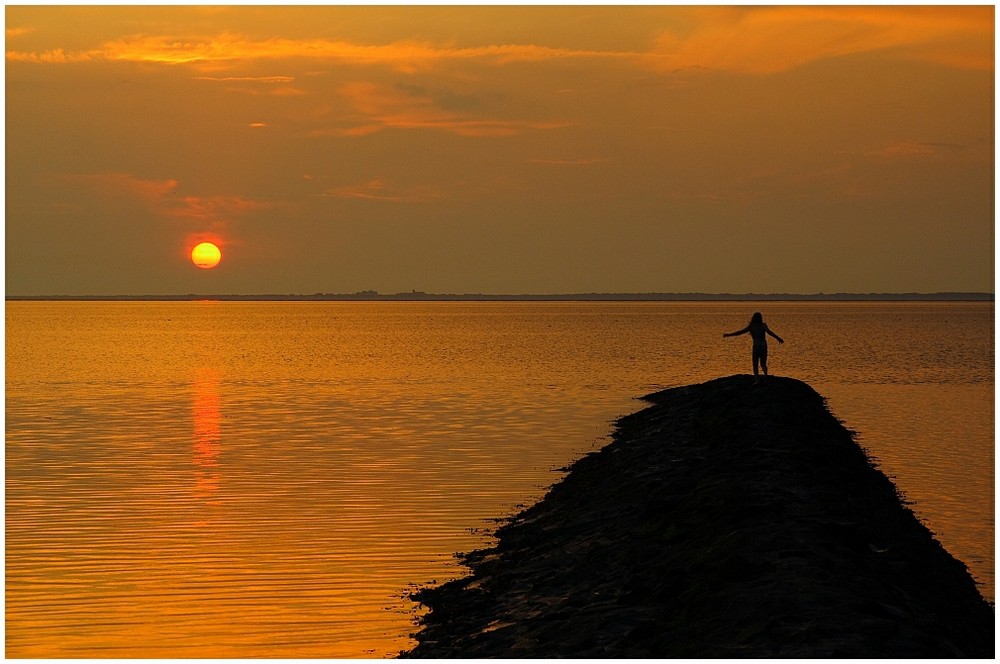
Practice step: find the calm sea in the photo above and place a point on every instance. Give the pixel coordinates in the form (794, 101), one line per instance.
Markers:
(218, 479)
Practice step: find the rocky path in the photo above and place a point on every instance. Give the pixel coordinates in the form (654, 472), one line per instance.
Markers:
(725, 520)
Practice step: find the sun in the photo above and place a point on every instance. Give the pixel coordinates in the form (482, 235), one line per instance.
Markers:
(206, 255)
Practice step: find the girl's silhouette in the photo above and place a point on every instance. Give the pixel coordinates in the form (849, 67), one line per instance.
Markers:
(758, 330)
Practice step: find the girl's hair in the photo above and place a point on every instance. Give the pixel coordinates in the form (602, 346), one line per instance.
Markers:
(756, 319)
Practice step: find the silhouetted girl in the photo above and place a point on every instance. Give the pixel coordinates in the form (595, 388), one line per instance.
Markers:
(758, 330)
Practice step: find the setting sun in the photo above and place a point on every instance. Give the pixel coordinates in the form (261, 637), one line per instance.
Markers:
(206, 255)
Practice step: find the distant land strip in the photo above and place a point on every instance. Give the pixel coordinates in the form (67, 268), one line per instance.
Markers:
(420, 296)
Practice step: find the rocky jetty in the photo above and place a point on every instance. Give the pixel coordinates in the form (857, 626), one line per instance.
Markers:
(726, 519)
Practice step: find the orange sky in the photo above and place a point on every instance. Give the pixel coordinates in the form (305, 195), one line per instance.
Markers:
(499, 149)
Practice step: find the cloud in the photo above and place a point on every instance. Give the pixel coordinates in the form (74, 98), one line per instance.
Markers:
(381, 107)
(379, 190)
(161, 198)
(248, 79)
(406, 55)
(569, 162)
(766, 40)
(124, 185)
(214, 209)
(53, 56)
(755, 40)
(13, 33)
(275, 86)
(906, 149)
(911, 148)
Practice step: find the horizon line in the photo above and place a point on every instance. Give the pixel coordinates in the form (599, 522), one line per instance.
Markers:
(414, 295)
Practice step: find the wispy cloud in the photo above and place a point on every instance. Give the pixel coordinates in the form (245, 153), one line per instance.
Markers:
(13, 33)
(906, 149)
(125, 185)
(381, 107)
(910, 148)
(275, 86)
(764, 40)
(568, 162)
(247, 79)
(405, 55)
(378, 189)
(215, 208)
(162, 198)
(757, 40)
(52, 56)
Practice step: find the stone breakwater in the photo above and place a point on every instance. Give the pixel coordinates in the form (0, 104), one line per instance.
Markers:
(725, 520)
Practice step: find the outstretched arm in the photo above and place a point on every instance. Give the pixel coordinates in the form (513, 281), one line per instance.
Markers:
(768, 330)
(736, 334)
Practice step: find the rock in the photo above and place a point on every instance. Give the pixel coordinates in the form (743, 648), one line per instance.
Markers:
(725, 520)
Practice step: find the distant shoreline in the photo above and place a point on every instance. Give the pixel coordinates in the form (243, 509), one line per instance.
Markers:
(418, 296)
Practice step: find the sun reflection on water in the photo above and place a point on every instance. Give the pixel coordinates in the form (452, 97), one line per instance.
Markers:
(207, 417)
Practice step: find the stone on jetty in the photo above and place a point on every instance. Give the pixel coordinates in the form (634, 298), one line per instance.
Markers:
(725, 520)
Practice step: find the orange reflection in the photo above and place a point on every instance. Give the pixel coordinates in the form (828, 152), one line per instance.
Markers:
(207, 418)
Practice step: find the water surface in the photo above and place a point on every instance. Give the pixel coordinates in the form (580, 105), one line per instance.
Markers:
(246, 479)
